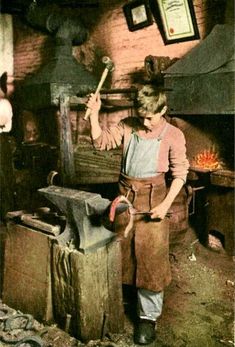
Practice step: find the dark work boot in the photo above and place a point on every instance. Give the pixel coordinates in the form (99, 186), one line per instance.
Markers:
(145, 332)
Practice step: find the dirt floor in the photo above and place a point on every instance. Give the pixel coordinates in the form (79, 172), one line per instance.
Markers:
(198, 308)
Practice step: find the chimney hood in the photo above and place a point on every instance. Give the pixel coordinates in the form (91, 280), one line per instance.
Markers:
(202, 82)
(63, 74)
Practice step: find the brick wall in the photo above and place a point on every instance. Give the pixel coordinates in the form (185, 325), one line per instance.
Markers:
(129, 49)
(32, 49)
(109, 35)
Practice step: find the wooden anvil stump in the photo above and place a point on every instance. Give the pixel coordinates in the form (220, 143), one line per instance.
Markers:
(87, 281)
(87, 291)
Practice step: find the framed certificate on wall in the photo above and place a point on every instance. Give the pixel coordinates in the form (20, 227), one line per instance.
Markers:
(176, 20)
(138, 14)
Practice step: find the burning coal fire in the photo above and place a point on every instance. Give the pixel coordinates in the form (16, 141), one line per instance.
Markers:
(208, 159)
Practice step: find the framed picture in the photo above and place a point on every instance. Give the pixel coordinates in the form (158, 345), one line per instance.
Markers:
(138, 14)
(176, 20)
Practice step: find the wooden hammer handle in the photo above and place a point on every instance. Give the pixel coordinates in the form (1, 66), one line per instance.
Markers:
(103, 77)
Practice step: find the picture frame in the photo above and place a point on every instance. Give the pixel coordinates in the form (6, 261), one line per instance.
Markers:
(176, 20)
(138, 14)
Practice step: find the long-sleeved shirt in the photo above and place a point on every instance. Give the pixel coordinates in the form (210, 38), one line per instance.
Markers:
(172, 154)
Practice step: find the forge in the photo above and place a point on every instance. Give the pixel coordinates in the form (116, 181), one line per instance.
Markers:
(201, 99)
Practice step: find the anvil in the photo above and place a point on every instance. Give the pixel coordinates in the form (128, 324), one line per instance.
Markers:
(83, 212)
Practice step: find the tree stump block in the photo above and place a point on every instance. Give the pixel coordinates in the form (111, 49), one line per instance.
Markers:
(87, 291)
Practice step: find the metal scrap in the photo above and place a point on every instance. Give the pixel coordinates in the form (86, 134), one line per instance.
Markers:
(33, 341)
(26, 324)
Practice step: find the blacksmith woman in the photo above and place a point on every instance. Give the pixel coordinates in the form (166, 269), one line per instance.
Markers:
(151, 148)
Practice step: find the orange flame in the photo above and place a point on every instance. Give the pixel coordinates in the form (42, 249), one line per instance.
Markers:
(208, 159)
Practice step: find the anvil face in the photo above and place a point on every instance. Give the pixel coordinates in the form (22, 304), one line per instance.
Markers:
(83, 211)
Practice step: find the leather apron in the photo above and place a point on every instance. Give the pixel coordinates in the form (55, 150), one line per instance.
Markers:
(145, 251)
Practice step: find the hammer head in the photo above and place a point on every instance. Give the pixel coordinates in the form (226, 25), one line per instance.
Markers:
(108, 62)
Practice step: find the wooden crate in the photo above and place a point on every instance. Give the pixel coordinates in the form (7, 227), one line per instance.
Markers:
(27, 271)
(93, 166)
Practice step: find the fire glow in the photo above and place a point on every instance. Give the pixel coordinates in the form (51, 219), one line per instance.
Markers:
(208, 159)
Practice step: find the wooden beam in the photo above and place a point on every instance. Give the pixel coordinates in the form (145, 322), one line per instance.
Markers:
(67, 167)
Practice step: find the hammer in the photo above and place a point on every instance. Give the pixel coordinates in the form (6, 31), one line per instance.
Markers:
(109, 67)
